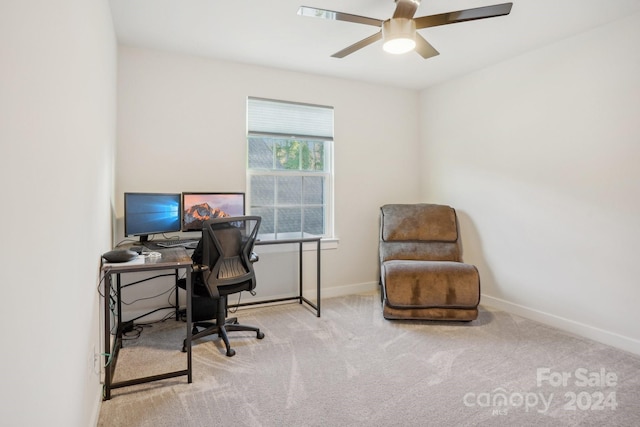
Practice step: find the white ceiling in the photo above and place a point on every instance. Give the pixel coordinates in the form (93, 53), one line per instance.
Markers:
(270, 33)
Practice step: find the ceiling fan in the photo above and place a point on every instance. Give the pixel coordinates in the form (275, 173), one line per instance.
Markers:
(399, 32)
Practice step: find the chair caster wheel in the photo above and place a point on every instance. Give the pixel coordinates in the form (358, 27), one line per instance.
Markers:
(260, 335)
(184, 347)
(194, 330)
(231, 352)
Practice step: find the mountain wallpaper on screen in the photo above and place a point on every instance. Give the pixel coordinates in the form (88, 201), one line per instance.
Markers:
(197, 214)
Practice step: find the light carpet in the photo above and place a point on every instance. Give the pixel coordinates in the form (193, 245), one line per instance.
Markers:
(351, 367)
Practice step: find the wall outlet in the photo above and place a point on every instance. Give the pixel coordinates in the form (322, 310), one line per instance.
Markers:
(95, 360)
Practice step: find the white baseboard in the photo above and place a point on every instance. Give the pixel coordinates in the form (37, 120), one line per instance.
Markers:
(336, 291)
(606, 337)
(357, 288)
(95, 412)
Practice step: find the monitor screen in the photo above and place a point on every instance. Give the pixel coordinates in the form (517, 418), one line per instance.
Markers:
(151, 213)
(199, 207)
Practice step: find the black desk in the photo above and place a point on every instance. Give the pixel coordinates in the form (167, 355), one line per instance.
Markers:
(293, 238)
(171, 259)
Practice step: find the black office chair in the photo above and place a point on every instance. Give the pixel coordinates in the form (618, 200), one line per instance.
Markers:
(227, 268)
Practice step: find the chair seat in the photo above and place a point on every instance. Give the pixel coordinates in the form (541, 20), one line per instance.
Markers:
(425, 284)
(443, 290)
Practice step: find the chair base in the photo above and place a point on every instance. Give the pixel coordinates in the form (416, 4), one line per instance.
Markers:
(203, 310)
(443, 314)
(229, 325)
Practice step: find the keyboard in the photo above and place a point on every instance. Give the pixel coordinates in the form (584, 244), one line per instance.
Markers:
(188, 244)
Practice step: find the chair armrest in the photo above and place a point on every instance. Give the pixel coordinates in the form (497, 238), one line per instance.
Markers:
(199, 268)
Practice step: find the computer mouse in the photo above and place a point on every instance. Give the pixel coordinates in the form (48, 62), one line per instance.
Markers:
(119, 255)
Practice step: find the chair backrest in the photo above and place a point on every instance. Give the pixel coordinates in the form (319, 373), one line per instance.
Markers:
(227, 246)
(419, 232)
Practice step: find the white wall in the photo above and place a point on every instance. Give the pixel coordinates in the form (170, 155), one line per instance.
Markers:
(189, 114)
(540, 156)
(542, 173)
(57, 133)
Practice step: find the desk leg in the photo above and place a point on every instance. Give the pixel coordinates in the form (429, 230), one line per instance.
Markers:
(177, 296)
(118, 307)
(300, 271)
(189, 286)
(318, 281)
(318, 278)
(107, 336)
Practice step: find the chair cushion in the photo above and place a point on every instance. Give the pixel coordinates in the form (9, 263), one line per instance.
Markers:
(231, 267)
(430, 284)
(419, 251)
(420, 221)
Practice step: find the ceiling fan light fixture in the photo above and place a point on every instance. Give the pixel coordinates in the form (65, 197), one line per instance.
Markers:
(399, 35)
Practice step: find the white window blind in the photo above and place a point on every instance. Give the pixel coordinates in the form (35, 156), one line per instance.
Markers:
(287, 119)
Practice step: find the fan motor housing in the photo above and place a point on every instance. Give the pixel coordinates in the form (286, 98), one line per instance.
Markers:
(399, 35)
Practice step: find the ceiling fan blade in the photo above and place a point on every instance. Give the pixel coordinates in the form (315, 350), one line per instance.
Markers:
(359, 45)
(406, 8)
(463, 15)
(424, 48)
(338, 16)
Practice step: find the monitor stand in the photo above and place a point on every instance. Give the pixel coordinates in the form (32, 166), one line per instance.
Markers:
(144, 241)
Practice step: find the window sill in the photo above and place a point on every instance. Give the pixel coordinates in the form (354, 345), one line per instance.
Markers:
(328, 243)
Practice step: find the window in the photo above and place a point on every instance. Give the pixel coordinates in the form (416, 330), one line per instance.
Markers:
(290, 167)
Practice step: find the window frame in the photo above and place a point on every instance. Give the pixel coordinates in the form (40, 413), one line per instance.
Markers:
(327, 173)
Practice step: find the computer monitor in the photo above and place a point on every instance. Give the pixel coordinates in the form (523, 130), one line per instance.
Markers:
(151, 213)
(199, 207)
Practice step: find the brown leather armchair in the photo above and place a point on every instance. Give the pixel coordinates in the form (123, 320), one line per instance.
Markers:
(421, 269)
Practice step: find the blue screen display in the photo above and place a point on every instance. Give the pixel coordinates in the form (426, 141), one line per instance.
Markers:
(150, 213)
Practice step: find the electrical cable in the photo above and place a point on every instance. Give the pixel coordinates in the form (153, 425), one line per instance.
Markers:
(169, 291)
(146, 279)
